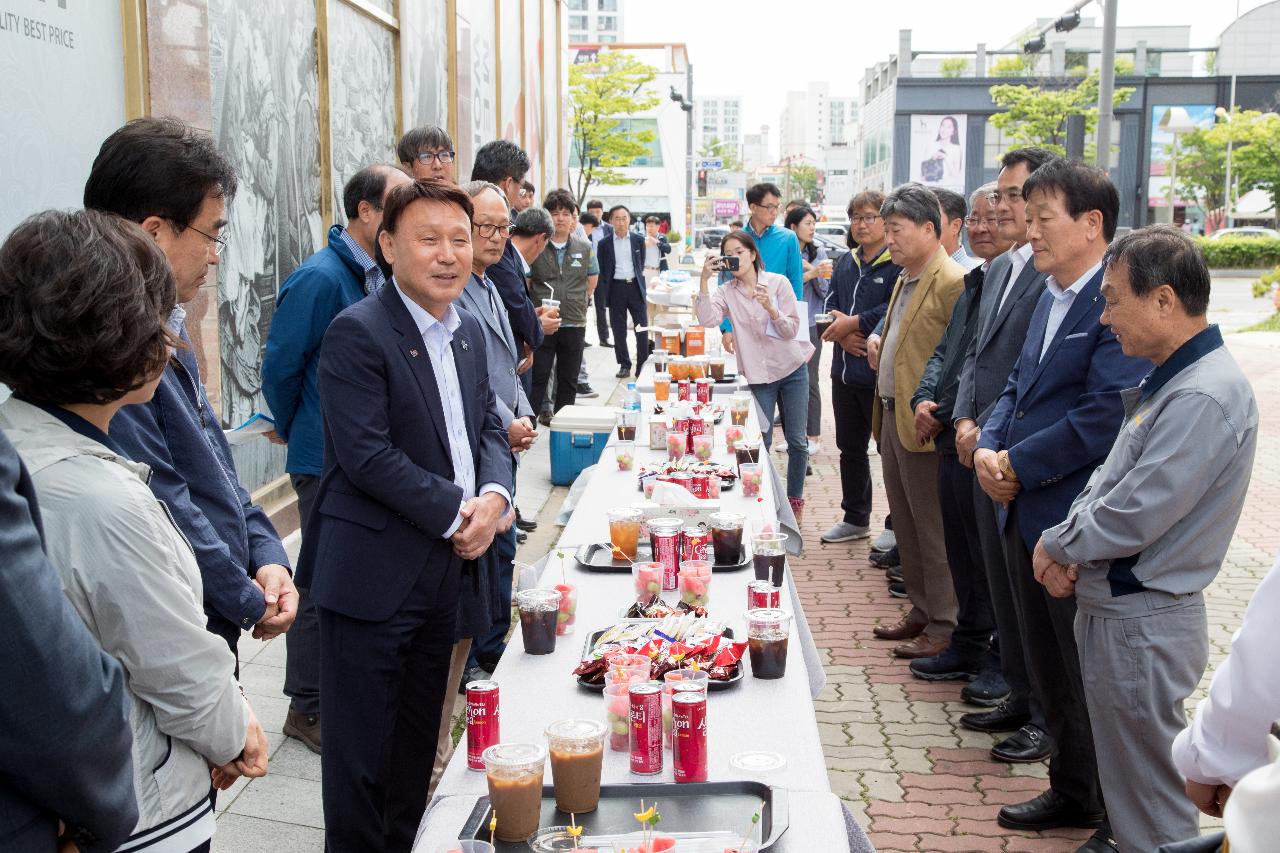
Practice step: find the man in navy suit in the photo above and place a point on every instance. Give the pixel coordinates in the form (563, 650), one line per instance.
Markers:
(417, 480)
(621, 256)
(1055, 422)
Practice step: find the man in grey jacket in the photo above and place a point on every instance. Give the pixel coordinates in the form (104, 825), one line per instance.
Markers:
(1150, 530)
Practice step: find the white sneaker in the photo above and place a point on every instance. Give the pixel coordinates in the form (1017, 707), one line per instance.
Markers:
(843, 531)
(815, 446)
(780, 448)
(886, 541)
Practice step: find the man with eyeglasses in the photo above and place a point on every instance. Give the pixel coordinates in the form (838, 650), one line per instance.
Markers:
(427, 152)
(779, 247)
(171, 179)
(954, 211)
(325, 284)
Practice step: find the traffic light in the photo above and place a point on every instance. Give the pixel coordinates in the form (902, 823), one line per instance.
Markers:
(702, 183)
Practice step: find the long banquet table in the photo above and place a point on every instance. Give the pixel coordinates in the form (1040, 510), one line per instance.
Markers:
(757, 714)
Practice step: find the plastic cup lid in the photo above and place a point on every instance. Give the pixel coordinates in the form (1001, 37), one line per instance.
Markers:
(515, 755)
(758, 761)
(576, 732)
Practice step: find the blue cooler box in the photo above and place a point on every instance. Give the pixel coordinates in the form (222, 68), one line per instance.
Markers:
(578, 437)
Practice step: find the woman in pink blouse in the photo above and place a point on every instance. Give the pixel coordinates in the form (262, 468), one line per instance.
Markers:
(773, 346)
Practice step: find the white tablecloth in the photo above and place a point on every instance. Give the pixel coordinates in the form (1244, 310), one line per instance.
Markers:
(775, 715)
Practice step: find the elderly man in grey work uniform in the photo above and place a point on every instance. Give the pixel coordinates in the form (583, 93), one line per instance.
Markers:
(1151, 528)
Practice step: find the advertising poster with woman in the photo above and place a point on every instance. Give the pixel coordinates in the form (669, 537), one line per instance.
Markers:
(937, 151)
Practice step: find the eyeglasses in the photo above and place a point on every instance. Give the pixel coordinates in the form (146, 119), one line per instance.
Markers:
(865, 219)
(991, 221)
(426, 157)
(1011, 196)
(219, 243)
(488, 229)
(772, 208)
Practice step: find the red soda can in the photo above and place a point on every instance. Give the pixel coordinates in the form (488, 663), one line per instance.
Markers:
(700, 485)
(697, 426)
(703, 389)
(682, 389)
(664, 539)
(695, 543)
(482, 721)
(762, 595)
(680, 425)
(689, 736)
(683, 479)
(646, 728)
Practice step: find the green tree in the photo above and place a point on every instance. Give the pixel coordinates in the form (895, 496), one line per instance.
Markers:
(1037, 115)
(1202, 165)
(601, 93)
(953, 66)
(1257, 160)
(714, 149)
(1014, 66)
(802, 182)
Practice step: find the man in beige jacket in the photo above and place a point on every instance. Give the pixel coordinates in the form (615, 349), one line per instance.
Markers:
(917, 315)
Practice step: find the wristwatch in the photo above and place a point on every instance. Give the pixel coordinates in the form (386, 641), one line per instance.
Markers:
(1006, 469)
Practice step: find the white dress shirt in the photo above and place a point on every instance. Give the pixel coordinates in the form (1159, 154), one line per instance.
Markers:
(623, 268)
(438, 337)
(1018, 259)
(1062, 302)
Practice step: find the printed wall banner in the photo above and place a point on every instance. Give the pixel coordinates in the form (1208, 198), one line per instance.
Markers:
(937, 150)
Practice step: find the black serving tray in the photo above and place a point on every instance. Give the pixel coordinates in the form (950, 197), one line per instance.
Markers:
(729, 379)
(598, 557)
(692, 807)
(713, 685)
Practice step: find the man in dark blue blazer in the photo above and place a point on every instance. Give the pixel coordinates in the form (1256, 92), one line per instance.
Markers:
(621, 257)
(65, 741)
(417, 481)
(1054, 423)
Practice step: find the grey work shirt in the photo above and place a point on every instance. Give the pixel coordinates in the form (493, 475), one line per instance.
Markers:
(889, 347)
(1151, 528)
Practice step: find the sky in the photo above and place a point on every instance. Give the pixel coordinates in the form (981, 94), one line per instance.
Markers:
(753, 48)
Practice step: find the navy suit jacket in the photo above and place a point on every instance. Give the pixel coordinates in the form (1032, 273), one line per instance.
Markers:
(508, 276)
(65, 740)
(387, 496)
(1058, 416)
(604, 254)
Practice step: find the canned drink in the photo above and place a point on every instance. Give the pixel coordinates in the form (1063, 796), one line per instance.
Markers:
(689, 736)
(682, 389)
(683, 479)
(762, 595)
(664, 539)
(697, 426)
(680, 425)
(482, 721)
(646, 728)
(703, 389)
(700, 485)
(695, 543)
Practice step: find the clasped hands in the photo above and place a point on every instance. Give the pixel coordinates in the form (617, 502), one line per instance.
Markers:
(252, 760)
(1057, 579)
(1001, 489)
(482, 517)
(281, 598)
(847, 332)
(520, 434)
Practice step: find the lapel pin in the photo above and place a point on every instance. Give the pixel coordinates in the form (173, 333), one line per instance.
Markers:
(464, 346)
(413, 352)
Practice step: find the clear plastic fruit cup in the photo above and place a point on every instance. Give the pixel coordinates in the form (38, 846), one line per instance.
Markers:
(695, 582)
(732, 435)
(677, 442)
(624, 452)
(617, 715)
(702, 446)
(568, 614)
(646, 578)
(752, 475)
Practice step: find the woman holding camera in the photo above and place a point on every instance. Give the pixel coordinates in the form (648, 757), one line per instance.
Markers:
(773, 348)
(84, 300)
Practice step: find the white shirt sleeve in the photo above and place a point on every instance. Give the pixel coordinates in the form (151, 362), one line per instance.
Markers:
(1228, 736)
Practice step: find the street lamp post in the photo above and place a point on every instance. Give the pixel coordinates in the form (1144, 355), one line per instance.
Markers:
(686, 103)
(1106, 83)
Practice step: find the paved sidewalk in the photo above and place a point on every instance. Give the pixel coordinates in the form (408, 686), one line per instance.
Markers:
(895, 752)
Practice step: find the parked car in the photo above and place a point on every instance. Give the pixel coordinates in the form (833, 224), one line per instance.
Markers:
(835, 246)
(1253, 231)
(713, 234)
(834, 230)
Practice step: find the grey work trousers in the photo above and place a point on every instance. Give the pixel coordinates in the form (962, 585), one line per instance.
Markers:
(1138, 670)
(911, 484)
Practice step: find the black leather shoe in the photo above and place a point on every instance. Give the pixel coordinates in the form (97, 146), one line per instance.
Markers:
(521, 536)
(1050, 810)
(623, 372)
(1025, 746)
(898, 589)
(525, 524)
(894, 574)
(1100, 842)
(999, 719)
(885, 559)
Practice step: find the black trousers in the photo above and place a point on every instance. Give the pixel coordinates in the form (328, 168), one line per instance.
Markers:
(852, 408)
(382, 687)
(975, 623)
(1006, 609)
(601, 299)
(562, 352)
(302, 640)
(626, 298)
(1054, 665)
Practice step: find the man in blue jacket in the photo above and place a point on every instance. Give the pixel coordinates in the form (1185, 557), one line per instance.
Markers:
(859, 295)
(172, 180)
(65, 744)
(1053, 425)
(339, 275)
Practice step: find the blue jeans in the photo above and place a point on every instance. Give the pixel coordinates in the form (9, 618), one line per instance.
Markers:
(791, 395)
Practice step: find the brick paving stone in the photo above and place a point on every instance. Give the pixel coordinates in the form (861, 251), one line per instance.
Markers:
(960, 843)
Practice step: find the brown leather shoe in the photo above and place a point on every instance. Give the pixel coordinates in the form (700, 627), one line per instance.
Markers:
(905, 628)
(923, 646)
(304, 727)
